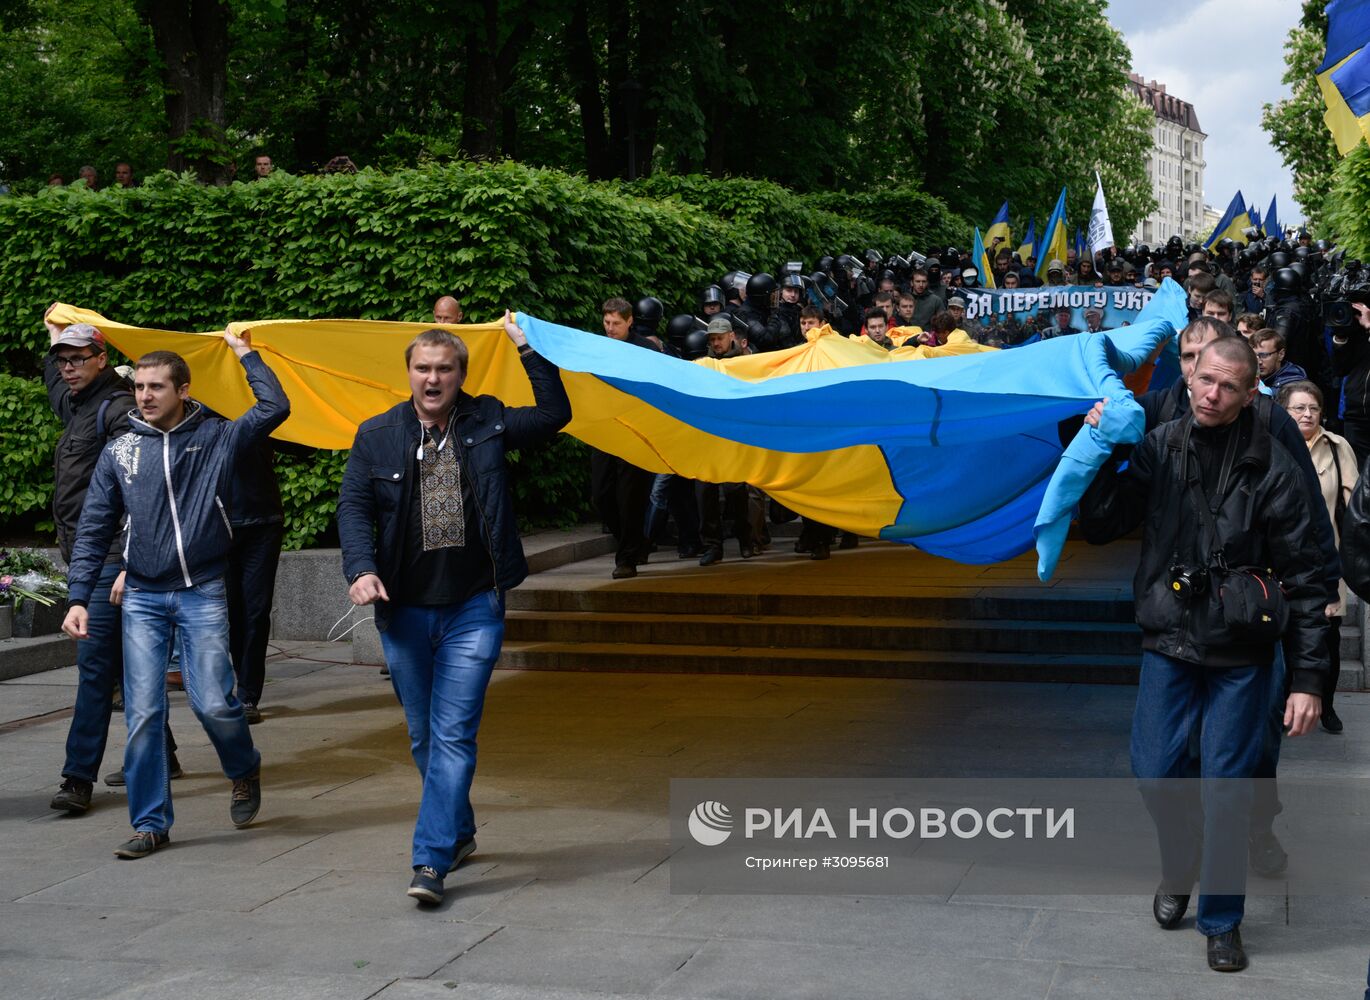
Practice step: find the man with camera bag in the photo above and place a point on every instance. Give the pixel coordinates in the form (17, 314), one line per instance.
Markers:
(1227, 529)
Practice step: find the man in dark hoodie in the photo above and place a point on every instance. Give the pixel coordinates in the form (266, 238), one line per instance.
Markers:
(168, 475)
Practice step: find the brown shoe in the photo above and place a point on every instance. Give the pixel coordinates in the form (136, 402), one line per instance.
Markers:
(173, 681)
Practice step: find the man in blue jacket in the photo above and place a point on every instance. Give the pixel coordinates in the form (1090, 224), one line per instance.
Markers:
(168, 475)
(429, 536)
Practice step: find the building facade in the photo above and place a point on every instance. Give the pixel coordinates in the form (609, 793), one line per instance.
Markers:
(1175, 165)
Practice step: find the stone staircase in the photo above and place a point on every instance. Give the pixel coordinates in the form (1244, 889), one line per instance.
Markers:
(880, 611)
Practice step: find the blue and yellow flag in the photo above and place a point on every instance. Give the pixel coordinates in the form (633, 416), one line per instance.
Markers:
(999, 229)
(1230, 226)
(1055, 238)
(1344, 76)
(957, 455)
(1029, 247)
(1272, 222)
(980, 259)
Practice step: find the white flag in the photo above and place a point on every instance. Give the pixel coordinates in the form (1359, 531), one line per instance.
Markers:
(1100, 229)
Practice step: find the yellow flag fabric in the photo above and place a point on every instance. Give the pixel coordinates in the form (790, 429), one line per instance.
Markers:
(338, 373)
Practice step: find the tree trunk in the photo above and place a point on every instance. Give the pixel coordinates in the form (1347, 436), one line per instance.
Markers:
(192, 40)
(481, 116)
(584, 69)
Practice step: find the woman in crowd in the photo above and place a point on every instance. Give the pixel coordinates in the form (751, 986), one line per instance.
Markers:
(1335, 463)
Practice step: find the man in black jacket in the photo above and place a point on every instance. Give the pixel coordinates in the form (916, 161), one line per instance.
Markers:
(1212, 492)
(427, 526)
(93, 402)
(1351, 361)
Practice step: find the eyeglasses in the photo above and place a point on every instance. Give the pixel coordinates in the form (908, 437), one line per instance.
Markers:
(1312, 408)
(74, 362)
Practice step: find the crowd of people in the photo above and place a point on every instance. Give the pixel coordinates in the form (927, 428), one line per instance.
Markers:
(262, 167)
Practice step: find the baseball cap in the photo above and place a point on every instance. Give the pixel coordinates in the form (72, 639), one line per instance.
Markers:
(956, 300)
(79, 335)
(1056, 265)
(720, 324)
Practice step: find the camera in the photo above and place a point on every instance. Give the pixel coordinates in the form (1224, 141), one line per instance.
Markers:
(1188, 582)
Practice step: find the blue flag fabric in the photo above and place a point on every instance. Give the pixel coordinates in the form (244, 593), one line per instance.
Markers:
(1272, 224)
(969, 444)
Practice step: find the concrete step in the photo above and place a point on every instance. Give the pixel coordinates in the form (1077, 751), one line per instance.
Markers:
(1101, 668)
(1350, 644)
(1352, 676)
(699, 597)
(23, 656)
(832, 633)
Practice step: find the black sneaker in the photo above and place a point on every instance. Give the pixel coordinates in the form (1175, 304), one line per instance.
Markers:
(426, 886)
(73, 797)
(251, 713)
(1267, 857)
(625, 571)
(116, 779)
(246, 800)
(141, 844)
(1331, 721)
(465, 848)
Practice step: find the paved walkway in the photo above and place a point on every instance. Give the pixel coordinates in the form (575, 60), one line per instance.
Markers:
(568, 895)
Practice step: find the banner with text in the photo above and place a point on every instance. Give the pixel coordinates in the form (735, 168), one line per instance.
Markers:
(1015, 314)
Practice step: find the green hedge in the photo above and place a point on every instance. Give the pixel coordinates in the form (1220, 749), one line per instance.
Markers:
(178, 255)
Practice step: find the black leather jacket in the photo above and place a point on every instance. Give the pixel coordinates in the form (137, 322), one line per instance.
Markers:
(374, 500)
(1265, 519)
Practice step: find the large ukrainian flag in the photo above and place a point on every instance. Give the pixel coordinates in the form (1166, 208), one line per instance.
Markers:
(959, 456)
(1344, 76)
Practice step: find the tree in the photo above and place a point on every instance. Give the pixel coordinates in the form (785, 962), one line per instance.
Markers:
(77, 85)
(1295, 124)
(192, 41)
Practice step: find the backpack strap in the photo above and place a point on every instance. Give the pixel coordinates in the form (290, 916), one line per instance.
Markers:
(100, 417)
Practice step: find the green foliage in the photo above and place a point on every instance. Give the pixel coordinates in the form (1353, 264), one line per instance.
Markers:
(1001, 100)
(28, 439)
(1295, 124)
(906, 208)
(309, 494)
(77, 86)
(1344, 208)
(178, 255)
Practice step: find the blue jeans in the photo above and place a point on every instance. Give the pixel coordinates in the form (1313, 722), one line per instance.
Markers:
(99, 666)
(440, 661)
(1228, 708)
(199, 618)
